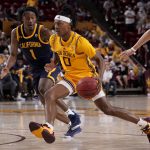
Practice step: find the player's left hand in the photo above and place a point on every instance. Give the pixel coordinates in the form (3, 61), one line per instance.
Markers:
(49, 67)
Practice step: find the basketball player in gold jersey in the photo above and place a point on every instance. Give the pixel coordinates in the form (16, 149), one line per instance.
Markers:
(75, 54)
(33, 40)
(143, 39)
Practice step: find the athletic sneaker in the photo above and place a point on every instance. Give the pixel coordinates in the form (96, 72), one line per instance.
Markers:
(75, 125)
(146, 130)
(36, 129)
(72, 133)
(42, 131)
(75, 120)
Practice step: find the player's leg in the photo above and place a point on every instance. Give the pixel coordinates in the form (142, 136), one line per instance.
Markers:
(41, 85)
(43, 81)
(51, 96)
(45, 84)
(61, 116)
(56, 92)
(102, 103)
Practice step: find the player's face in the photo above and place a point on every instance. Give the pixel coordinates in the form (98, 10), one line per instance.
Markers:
(62, 28)
(29, 20)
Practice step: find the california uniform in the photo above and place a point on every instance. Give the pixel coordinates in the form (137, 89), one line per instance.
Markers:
(37, 53)
(75, 57)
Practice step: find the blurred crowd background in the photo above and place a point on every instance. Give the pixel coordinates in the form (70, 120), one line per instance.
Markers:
(110, 25)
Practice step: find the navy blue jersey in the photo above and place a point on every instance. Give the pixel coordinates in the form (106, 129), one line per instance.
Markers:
(36, 52)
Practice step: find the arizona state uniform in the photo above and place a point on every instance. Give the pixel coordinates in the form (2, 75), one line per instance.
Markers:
(75, 57)
(36, 52)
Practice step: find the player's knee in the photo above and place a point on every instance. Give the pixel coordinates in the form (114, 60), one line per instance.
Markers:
(41, 90)
(50, 96)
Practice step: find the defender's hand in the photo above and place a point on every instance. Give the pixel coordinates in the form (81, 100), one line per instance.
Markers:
(49, 67)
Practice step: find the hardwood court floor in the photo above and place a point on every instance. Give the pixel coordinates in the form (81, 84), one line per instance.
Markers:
(100, 132)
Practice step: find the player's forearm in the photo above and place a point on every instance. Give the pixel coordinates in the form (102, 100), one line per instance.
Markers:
(144, 38)
(11, 61)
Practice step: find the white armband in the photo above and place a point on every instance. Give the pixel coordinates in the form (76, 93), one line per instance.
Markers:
(133, 49)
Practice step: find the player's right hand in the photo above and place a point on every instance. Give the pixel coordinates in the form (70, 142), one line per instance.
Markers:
(4, 72)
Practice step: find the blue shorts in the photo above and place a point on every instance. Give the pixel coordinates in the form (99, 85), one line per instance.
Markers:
(41, 73)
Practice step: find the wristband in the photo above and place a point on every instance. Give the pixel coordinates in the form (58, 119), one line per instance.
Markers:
(133, 49)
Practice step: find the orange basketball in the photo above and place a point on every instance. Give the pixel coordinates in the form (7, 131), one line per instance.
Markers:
(88, 87)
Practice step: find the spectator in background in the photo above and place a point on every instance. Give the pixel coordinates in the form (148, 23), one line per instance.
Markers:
(2, 34)
(3, 45)
(147, 22)
(131, 78)
(2, 16)
(130, 19)
(18, 76)
(108, 81)
(147, 6)
(28, 82)
(108, 4)
(32, 3)
(122, 74)
(116, 55)
(7, 83)
(140, 5)
(103, 50)
(141, 18)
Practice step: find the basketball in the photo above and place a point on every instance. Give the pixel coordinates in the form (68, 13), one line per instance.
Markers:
(88, 87)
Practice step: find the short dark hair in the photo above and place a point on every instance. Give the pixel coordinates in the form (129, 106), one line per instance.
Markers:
(69, 12)
(25, 9)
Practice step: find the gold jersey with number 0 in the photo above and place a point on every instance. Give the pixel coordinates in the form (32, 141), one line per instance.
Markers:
(74, 55)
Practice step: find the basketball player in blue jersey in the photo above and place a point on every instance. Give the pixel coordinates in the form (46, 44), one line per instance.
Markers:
(33, 40)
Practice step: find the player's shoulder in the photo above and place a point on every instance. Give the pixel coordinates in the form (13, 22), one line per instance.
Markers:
(43, 28)
(44, 34)
(81, 38)
(14, 30)
(53, 35)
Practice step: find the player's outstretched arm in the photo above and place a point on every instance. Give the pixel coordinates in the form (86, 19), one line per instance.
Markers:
(13, 54)
(144, 38)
